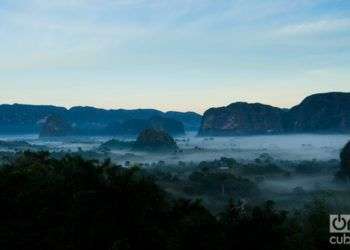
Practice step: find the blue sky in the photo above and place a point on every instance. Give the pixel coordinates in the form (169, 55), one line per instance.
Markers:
(172, 55)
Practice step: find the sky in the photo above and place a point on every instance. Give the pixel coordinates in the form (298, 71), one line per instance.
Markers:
(185, 55)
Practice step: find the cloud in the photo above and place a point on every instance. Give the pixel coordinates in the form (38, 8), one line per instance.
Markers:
(314, 27)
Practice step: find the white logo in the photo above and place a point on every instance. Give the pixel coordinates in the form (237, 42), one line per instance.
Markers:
(339, 226)
(339, 223)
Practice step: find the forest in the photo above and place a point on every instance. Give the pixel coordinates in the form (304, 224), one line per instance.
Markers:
(69, 202)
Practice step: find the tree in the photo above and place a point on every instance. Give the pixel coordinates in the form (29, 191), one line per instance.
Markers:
(345, 158)
(344, 173)
(73, 203)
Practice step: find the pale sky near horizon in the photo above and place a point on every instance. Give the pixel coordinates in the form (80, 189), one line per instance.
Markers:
(185, 55)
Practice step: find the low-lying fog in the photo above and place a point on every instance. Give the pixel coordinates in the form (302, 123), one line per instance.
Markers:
(288, 147)
(298, 186)
(284, 147)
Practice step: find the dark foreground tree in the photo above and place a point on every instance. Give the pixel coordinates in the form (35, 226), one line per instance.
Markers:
(73, 203)
(345, 158)
(344, 172)
(76, 204)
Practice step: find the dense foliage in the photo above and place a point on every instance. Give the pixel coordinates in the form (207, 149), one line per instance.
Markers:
(345, 158)
(72, 203)
(115, 144)
(344, 172)
(222, 183)
(14, 145)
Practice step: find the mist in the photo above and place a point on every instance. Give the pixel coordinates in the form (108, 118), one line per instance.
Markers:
(283, 167)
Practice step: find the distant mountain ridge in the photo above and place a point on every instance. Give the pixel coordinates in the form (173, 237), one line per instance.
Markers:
(242, 118)
(135, 126)
(318, 113)
(22, 118)
(328, 112)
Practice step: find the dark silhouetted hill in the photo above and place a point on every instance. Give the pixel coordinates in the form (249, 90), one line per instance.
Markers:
(153, 140)
(242, 119)
(328, 112)
(319, 113)
(135, 126)
(55, 126)
(20, 118)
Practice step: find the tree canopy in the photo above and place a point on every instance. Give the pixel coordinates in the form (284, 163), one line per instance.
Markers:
(73, 203)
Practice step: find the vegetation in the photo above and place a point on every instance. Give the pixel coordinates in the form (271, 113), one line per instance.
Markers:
(14, 144)
(116, 145)
(344, 172)
(228, 163)
(72, 203)
(345, 158)
(263, 165)
(221, 183)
